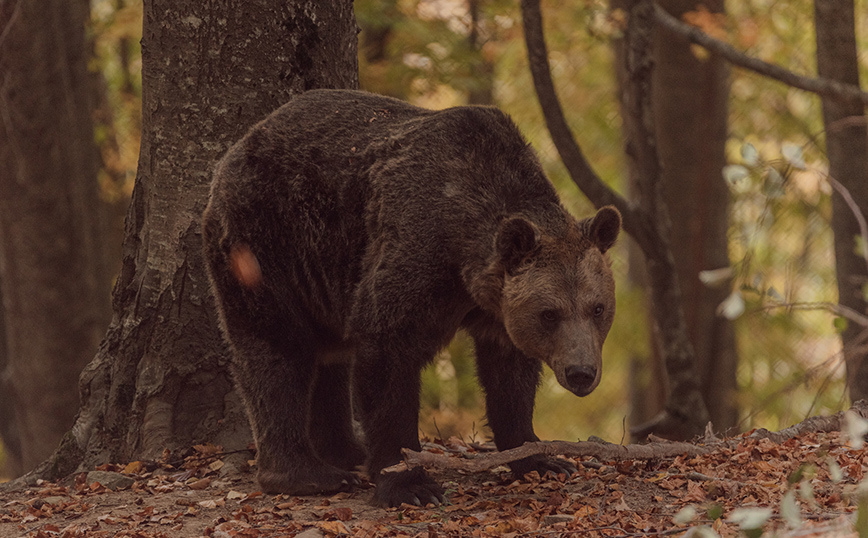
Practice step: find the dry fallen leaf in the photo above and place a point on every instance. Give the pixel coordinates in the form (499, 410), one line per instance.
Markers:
(134, 467)
(200, 484)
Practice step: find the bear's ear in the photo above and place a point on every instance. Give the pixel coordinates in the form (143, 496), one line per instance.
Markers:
(603, 228)
(516, 238)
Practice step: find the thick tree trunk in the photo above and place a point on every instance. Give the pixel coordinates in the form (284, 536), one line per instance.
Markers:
(55, 287)
(847, 150)
(690, 112)
(160, 378)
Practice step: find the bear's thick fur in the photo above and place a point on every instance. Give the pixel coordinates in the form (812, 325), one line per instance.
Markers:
(348, 237)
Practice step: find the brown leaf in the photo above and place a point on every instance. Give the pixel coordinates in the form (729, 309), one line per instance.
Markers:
(712, 24)
(695, 492)
(134, 467)
(333, 528)
(343, 513)
(200, 484)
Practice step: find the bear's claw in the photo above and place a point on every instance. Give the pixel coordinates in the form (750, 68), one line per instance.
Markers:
(408, 487)
(542, 465)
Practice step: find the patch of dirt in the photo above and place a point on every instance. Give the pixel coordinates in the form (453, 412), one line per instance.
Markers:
(214, 494)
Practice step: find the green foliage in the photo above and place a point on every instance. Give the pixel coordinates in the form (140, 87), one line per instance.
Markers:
(116, 31)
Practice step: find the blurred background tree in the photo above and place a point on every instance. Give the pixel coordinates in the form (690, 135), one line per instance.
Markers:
(53, 269)
(777, 205)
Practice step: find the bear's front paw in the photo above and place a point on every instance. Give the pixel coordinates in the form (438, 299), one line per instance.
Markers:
(542, 465)
(307, 481)
(410, 487)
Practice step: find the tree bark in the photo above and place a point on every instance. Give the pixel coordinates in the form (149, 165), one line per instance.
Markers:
(11, 463)
(55, 286)
(481, 68)
(847, 150)
(685, 414)
(690, 112)
(160, 378)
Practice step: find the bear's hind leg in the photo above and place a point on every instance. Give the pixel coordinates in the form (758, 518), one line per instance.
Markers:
(387, 383)
(331, 417)
(276, 377)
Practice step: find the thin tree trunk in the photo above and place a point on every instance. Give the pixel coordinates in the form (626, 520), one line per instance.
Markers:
(847, 150)
(685, 412)
(55, 287)
(160, 379)
(481, 68)
(690, 111)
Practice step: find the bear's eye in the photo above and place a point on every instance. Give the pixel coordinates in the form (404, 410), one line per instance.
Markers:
(549, 316)
(598, 310)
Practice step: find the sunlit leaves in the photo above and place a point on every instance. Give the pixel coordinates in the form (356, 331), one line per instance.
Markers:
(749, 154)
(751, 520)
(734, 173)
(685, 515)
(790, 511)
(793, 155)
(733, 306)
(835, 472)
(855, 427)
(716, 277)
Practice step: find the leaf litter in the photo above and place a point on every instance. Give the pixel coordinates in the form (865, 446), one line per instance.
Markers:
(809, 485)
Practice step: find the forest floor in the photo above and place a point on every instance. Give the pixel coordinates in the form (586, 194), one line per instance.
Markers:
(808, 485)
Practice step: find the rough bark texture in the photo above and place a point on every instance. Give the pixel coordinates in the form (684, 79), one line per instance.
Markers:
(10, 464)
(690, 112)
(55, 287)
(684, 414)
(648, 223)
(847, 150)
(209, 72)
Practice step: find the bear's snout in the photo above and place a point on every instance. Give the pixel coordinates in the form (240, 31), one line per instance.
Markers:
(581, 379)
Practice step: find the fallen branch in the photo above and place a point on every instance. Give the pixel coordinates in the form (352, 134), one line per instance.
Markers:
(613, 452)
(602, 451)
(831, 423)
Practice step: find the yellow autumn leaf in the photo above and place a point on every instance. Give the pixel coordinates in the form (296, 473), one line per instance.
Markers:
(134, 467)
(713, 24)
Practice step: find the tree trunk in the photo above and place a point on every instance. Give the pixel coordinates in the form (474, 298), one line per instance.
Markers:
(690, 112)
(11, 463)
(160, 378)
(847, 150)
(481, 66)
(685, 414)
(55, 286)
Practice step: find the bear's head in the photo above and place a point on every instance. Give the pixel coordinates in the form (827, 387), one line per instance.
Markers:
(557, 299)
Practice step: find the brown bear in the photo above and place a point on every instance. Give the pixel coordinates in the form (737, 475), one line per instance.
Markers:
(348, 236)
